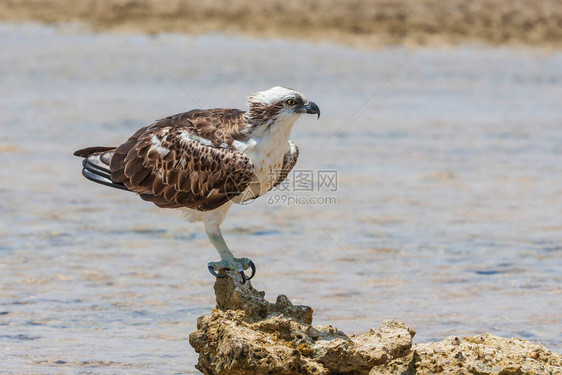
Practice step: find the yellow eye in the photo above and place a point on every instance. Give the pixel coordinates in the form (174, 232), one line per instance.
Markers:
(291, 102)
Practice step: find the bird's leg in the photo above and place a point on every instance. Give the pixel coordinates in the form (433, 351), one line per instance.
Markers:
(228, 261)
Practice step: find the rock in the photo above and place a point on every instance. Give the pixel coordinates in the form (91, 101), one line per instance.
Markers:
(482, 355)
(232, 295)
(246, 334)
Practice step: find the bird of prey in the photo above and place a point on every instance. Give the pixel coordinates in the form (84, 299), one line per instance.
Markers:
(204, 160)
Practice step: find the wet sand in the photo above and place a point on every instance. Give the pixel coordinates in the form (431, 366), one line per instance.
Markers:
(362, 23)
(448, 196)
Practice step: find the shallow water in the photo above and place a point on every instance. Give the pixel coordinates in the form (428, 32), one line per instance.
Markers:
(449, 194)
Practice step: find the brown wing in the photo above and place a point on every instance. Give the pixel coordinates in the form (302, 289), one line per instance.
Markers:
(289, 161)
(185, 160)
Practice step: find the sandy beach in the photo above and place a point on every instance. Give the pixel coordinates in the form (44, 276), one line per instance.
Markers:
(371, 23)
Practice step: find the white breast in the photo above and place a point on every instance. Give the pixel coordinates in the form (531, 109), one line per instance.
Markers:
(268, 162)
(267, 153)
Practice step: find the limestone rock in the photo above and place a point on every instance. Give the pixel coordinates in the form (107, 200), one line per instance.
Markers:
(481, 355)
(246, 334)
(232, 295)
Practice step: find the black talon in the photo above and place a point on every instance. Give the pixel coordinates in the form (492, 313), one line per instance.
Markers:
(253, 267)
(243, 277)
(212, 271)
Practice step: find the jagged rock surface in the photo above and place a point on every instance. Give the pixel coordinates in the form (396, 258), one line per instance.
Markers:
(479, 355)
(246, 334)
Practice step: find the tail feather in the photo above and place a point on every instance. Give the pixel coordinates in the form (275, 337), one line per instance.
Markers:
(95, 166)
(92, 168)
(85, 152)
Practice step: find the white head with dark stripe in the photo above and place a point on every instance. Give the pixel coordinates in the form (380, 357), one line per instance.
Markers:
(276, 106)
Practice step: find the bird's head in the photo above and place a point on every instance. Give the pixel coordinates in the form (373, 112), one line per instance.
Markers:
(278, 105)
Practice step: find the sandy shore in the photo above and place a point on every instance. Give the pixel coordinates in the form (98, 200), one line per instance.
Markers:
(364, 23)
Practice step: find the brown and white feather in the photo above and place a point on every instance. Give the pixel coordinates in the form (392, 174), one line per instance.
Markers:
(186, 160)
(202, 159)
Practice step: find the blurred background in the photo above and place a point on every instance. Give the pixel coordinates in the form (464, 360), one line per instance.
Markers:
(442, 120)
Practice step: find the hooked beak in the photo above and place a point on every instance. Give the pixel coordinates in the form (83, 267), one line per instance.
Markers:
(312, 108)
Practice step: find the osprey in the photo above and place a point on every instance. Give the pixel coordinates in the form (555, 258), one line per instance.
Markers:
(203, 161)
